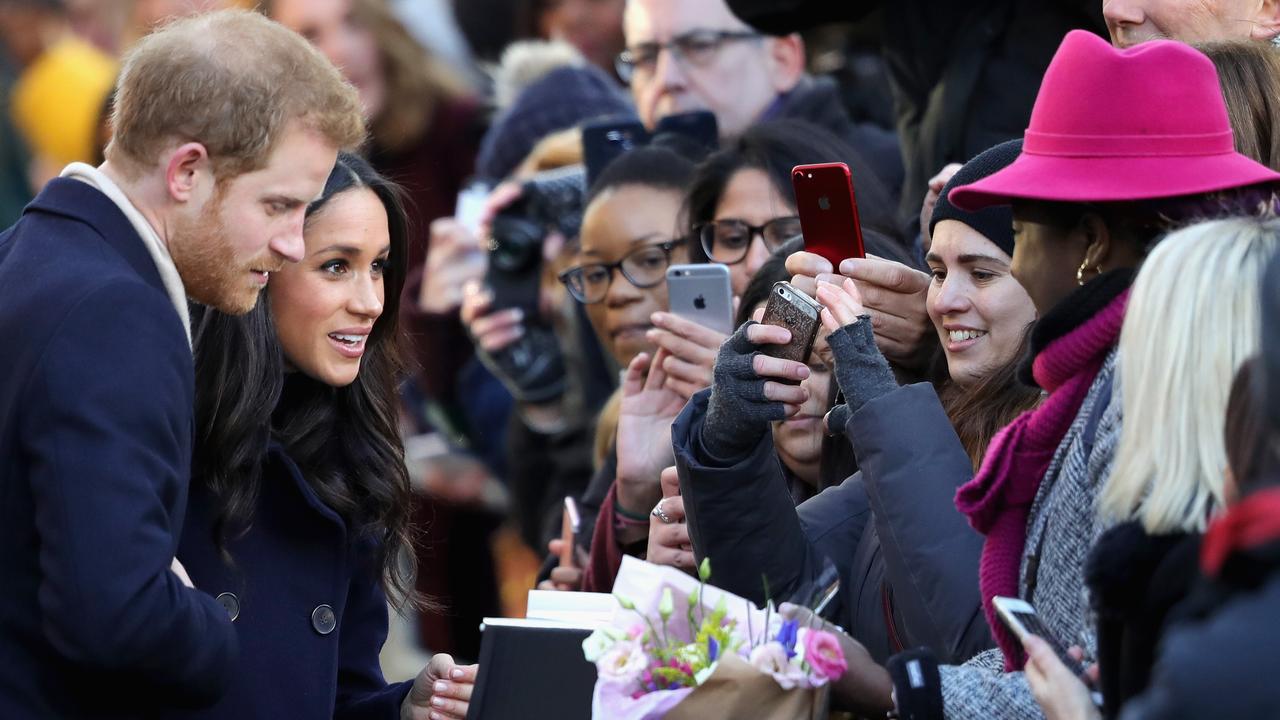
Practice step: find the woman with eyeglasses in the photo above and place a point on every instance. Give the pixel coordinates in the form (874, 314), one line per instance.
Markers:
(630, 236)
(741, 206)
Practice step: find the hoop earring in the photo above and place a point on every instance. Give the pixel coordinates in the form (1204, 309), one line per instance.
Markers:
(1080, 272)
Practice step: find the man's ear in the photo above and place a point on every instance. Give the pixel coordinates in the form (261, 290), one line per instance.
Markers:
(786, 61)
(187, 171)
(1266, 22)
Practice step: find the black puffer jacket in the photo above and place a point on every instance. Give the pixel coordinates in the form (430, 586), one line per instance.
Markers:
(906, 559)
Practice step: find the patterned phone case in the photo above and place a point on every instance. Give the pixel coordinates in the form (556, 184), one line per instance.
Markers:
(797, 312)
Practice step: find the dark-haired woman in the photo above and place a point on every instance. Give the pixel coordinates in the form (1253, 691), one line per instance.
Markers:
(741, 206)
(883, 529)
(298, 512)
(630, 236)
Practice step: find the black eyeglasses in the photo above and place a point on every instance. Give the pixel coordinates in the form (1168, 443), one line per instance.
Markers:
(728, 241)
(643, 267)
(697, 48)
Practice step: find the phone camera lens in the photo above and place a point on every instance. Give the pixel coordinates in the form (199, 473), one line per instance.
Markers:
(782, 292)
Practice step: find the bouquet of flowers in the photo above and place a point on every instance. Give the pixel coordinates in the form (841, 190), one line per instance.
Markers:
(680, 648)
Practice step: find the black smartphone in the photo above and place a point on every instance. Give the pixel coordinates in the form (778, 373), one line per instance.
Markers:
(699, 126)
(605, 140)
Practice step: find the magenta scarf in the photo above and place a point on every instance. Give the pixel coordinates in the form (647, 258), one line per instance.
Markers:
(998, 499)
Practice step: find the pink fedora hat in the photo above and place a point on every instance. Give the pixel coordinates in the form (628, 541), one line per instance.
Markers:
(1114, 125)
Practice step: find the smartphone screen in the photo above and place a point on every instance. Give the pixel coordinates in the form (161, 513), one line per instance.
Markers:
(828, 211)
(570, 523)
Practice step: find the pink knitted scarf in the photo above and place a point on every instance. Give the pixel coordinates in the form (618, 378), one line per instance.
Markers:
(998, 499)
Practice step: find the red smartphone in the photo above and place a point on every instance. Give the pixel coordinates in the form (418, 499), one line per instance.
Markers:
(828, 211)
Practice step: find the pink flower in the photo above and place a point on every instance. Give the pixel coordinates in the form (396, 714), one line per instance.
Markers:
(823, 653)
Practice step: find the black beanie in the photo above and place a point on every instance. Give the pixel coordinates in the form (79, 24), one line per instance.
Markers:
(995, 223)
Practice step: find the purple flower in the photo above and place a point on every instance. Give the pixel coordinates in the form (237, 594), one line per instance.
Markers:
(787, 636)
(713, 649)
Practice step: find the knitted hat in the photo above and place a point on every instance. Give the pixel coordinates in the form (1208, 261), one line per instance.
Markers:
(994, 223)
(563, 98)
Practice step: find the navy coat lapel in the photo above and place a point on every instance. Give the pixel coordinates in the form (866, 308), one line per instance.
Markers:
(80, 201)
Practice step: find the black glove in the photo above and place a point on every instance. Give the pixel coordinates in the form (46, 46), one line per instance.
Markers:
(861, 370)
(738, 413)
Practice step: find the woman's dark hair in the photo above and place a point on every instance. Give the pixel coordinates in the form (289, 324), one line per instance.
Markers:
(774, 148)
(345, 440)
(1252, 452)
(979, 412)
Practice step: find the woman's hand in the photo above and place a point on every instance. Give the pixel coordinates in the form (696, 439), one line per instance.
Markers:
(865, 688)
(894, 295)
(669, 542)
(649, 405)
(491, 331)
(566, 578)
(750, 390)
(692, 348)
(1062, 696)
(860, 369)
(455, 259)
(442, 691)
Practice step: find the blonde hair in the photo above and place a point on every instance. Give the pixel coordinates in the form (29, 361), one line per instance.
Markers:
(233, 81)
(1193, 319)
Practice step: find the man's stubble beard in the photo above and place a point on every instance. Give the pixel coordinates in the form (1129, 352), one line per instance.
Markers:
(206, 260)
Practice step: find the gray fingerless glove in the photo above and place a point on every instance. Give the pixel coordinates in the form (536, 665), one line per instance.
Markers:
(861, 370)
(738, 413)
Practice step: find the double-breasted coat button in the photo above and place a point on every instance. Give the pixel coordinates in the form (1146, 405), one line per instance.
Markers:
(323, 619)
(230, 603)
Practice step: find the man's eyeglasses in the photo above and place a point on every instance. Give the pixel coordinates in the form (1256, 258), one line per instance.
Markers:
(696, 48)
(728, 241)
(643, 267)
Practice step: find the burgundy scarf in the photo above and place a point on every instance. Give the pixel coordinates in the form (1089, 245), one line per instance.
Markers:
(998, 499)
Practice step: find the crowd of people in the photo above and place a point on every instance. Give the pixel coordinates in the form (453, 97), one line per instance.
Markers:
(417, 255)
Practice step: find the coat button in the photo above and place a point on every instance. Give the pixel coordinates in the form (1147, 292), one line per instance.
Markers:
(231, 604)
(323, 619)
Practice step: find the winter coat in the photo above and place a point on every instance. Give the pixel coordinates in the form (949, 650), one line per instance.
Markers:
(1061, 527)
(96, 424)
(907, 561)
(1218, 658)
(1135, 581)
(306, 600)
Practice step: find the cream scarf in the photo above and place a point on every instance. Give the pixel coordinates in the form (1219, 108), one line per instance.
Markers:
(150, 238)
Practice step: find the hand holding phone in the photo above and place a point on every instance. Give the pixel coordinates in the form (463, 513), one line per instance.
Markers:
(792, 309)
(1021, 619)
(828, 211)
(703, 294)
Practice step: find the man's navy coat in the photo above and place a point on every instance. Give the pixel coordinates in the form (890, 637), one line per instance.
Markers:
(95, 454)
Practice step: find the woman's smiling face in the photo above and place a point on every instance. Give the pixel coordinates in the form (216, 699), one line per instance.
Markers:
(324, 307)
(979, 310)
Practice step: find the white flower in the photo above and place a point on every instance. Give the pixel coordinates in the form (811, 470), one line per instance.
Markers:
(623, 664)
(599, 642)
(771, 658)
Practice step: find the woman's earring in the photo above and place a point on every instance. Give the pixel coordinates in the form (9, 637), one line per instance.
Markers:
(1080, 272)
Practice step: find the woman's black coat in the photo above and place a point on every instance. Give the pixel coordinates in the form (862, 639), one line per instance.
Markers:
(891, 532)
(308, 605)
